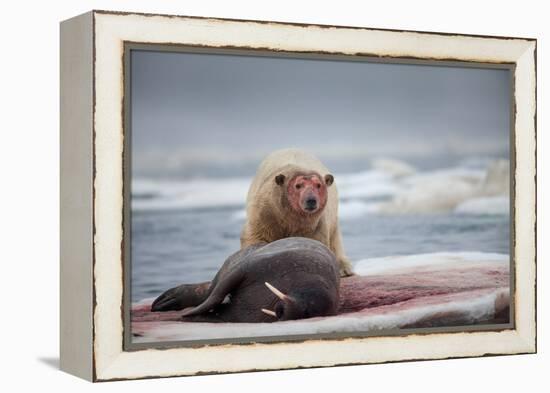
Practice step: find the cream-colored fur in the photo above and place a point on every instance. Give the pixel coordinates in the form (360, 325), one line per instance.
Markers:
(269, 217)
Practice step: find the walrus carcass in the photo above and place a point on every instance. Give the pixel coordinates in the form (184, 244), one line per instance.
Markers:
(291, 278)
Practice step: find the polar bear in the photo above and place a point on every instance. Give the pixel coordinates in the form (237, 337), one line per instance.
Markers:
(293, 194)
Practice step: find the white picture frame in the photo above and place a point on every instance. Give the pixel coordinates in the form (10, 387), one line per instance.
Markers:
(92, 194)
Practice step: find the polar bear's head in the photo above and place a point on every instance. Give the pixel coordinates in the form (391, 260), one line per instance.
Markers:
(305, 193)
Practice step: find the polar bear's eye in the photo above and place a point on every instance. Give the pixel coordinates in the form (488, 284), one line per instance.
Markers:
(298, 186)
(318, 186)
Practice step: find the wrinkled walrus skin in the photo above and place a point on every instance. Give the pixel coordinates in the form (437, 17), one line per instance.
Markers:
(303, 275)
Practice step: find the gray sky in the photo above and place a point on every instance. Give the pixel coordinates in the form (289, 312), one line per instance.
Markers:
(194, 110)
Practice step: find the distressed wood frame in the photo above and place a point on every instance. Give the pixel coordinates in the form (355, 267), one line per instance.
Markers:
(92, 190)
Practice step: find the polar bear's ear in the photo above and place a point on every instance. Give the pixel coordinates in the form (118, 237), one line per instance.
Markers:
(280, 179)
(329, 179)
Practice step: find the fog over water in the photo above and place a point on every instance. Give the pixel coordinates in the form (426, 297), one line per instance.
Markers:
(198, 114)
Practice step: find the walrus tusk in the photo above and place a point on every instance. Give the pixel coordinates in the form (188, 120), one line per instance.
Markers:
(269, 312)
(277, 293)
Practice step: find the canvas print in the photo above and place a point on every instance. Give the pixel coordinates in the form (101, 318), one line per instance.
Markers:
(281, 197)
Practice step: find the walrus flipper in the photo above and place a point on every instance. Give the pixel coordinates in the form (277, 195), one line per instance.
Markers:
(180, 297)
(218, 291)
(192, 295)
(228, 278)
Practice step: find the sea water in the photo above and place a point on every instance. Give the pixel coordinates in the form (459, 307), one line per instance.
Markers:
(183, 229)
